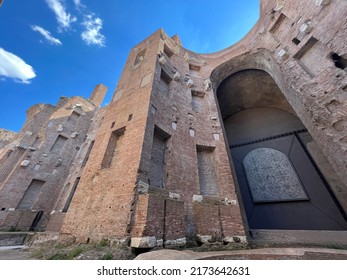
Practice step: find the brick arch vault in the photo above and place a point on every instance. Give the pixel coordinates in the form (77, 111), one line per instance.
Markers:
(260, 110)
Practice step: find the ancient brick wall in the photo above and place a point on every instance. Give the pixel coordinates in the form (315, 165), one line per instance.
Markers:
(184, 111)
(39, 160)
(103, 204)
(155, 163)
(287, 42)
(6, 136)
(296, 43)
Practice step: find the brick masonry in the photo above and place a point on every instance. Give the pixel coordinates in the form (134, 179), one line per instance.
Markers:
(133, 168)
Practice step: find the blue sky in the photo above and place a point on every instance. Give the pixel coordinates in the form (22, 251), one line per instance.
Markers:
(53, 48)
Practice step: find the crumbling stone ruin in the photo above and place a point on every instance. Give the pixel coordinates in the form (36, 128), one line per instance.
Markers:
(248, 144)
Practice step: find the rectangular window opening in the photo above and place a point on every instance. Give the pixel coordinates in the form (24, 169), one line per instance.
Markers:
(206, 168)
(112, 147)
(168, 51)
(140, 57)
(198, 101)
(73, 118)
(157, 163)
(31, 194)
(296, 41)
(278, 23)
(59, 144)
(165, 77)
(305, 48)
(164, 85)
(194, 67)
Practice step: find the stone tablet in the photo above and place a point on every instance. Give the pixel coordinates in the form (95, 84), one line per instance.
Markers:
(271, 177)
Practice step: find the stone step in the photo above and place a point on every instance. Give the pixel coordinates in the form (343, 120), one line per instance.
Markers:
(299, 238)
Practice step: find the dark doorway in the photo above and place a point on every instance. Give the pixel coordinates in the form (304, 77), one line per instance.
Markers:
(36, 221)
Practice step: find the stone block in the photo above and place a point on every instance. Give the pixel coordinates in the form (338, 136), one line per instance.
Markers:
(176, 76)
(74, 135)
(176, 242)
(174, 196)
(283, 54)
(25, 163)
(306, 27)
(235, 239)
(143, 242)
(216, 136)
(160, 243)
(60, 128)
(174, 125)
(191, 132)
(189, 83)
(205, 238)
(198, 198)
(322, 2)
(142, 187)
(162, 60)
(207, 84)
(279, 5)
(230, 201)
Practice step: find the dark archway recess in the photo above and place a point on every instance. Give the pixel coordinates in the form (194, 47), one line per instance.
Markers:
(272, 155)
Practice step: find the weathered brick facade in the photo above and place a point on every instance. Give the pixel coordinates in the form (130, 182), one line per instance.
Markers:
(155, 165)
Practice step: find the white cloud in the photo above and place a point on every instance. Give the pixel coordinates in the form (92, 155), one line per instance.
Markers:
(91, 35)
(12, 66)
(64, 19)
(78, 4)
(45, 33)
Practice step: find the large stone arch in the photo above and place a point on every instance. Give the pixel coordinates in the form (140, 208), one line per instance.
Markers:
(250, 88)
(263, 60)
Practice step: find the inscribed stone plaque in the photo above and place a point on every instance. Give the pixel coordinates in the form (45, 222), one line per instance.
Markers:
(271, 176)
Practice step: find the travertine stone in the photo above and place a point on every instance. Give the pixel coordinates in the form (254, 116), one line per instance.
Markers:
(235, 239)
(176, 76)
(60, 128)
(142, 187)
(198, 198)
(143, 242)
(25, 163)
(322, 2)
(216, 136)
(204, 238)
(283, 54)
(190, 83)
(162, 60)
(176, 242)
(174, 196)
